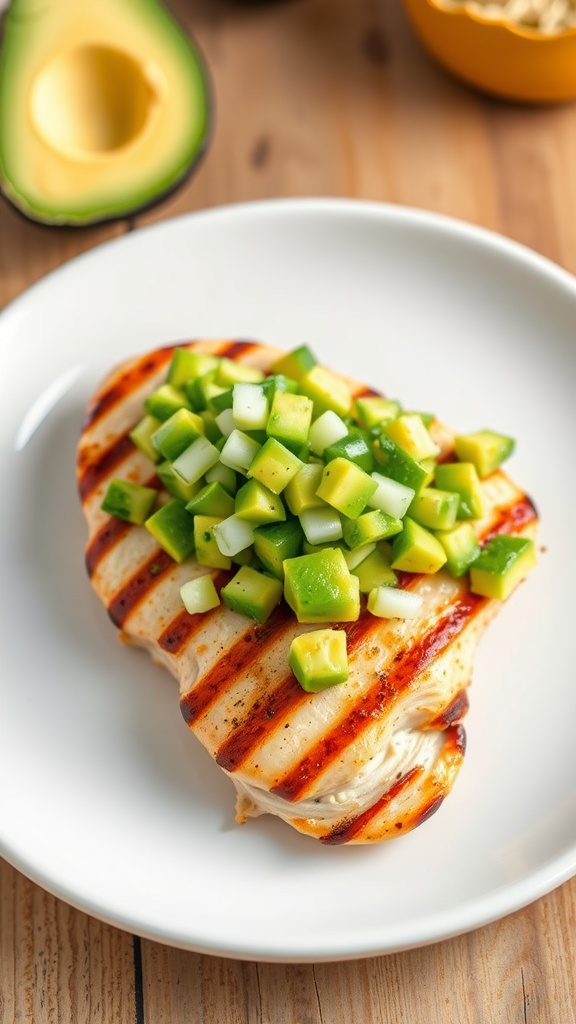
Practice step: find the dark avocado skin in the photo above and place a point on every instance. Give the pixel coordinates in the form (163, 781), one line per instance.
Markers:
(162, 196)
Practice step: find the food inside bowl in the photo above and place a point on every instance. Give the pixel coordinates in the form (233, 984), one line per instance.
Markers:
(546, 16)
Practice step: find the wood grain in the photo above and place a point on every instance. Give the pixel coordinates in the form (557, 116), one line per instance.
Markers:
(318, 97)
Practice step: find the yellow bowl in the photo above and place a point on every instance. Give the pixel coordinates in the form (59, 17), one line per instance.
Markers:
(497, 56)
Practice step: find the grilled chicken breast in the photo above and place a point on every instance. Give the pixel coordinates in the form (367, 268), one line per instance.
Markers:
(356, 763)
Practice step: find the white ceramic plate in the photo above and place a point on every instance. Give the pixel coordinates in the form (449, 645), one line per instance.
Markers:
(105, 797)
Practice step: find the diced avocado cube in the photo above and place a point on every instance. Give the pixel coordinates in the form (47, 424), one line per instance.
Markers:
(416, 549)
(398, 465)
(319, 659)
(462, 478)
(289, 420)
(129, 501)
(196, 459)
(223, 399)
(461, 547)
(174, 484)
(141, 436)
(199, 390)
(295, 363)
(274, 465)
(375, 570)
(211, 500)
(369, 528)
(278, 382)
(249, 406)
(300, 493)
(430, 466)
(186, 365)
(230, 372)
(435, 509)
(165, 401)
(320, 587)
(371, 410)
(486, 449)
(246, 557)
(356, 446)
(276, 542)
(409, 431)
(207, 551)
(427, 418)
(257, 503)
(210, 392)
(327, 391)
(176, 433)
(501, 565)
(252, 593)
(346, 487)
(173, 528)
(199, 595)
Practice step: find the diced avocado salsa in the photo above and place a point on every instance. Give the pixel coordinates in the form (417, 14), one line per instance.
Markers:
(313, 496)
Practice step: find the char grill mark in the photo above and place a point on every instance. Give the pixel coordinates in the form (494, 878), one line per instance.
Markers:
(235, 349)
(184, 627)
(262, 721)
(127, 383)
(233, 662)
(96, 470)
(514, 518)
(406, 666)
(351, 828)
(264, 718)
(138, 587)
(147, 367)
(110, 534)
(453, 713)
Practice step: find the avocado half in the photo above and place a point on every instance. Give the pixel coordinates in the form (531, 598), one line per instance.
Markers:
(105, 108)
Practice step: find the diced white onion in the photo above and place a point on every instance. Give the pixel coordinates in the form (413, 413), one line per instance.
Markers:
(249, 407)
(390, 496)
(327, 429)
(233, 535)
(321, 525)
(393, 603)
(239, 451)
(196, 459)
(199, 595)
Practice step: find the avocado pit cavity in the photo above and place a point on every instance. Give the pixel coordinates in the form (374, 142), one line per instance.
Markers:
(90, 102)
(105, 108)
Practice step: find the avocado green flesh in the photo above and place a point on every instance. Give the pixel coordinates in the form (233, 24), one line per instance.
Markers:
(319, 659)
(104, 109)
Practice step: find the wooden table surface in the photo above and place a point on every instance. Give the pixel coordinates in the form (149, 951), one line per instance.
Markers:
(331, 98)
